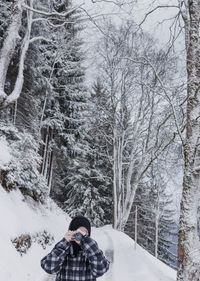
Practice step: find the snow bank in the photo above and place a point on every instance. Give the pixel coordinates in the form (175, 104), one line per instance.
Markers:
(18, 217)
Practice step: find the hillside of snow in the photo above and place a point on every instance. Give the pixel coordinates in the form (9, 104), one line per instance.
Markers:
(33, 229)
(26, 217)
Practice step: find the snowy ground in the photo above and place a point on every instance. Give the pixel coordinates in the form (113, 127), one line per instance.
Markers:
(19, 217)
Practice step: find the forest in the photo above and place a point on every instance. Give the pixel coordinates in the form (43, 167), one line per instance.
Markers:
(103, 118)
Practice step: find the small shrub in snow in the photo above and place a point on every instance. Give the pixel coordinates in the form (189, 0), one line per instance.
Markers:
(23, 242)
(43, 238)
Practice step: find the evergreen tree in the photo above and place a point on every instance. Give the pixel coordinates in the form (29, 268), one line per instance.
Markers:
(70, 144)
(94, 177)
(89, 189)
(100, 133)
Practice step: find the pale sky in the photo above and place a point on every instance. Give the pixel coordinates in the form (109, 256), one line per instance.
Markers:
(137, 13)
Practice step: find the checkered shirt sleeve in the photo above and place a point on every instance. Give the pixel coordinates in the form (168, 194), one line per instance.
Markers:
(54, 260)
(98, 263)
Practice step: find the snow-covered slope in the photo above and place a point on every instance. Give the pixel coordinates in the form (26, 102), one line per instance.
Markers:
(18, 217)
(21, 217)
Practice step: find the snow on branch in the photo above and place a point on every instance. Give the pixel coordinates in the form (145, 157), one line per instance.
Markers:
(20, 77)
(53, 13)
(41, 38)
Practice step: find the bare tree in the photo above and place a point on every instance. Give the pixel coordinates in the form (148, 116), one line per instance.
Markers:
(141, 109)
(189, 244)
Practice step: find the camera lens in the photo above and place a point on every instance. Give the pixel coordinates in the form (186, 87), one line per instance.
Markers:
(78, 236)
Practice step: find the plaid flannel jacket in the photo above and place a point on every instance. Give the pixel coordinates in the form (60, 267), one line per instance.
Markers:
(89, 264)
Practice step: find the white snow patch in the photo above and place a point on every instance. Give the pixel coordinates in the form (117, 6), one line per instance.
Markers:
(18, 216)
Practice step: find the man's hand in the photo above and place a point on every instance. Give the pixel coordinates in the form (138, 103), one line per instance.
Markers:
(83, 231)
(69, 235)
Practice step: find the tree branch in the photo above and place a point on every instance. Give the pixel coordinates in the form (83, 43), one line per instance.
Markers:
(164, 89)
(51, 14)
(156, 8)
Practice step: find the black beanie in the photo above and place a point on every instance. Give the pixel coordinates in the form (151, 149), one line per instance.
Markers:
(79, 221)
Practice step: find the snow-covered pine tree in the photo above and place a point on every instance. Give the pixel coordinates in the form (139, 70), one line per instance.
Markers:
(94, 180)
(48, 50)
(99, 136)
(70, 186)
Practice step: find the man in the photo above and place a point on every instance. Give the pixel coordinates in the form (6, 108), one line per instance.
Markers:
(77, 256)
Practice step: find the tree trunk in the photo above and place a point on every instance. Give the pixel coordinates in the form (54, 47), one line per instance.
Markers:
(9, 45)
(8, 49)
(188, 244)
(45, 151)
(115, 197)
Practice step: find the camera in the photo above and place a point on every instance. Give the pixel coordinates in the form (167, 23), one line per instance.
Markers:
(78, 236)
